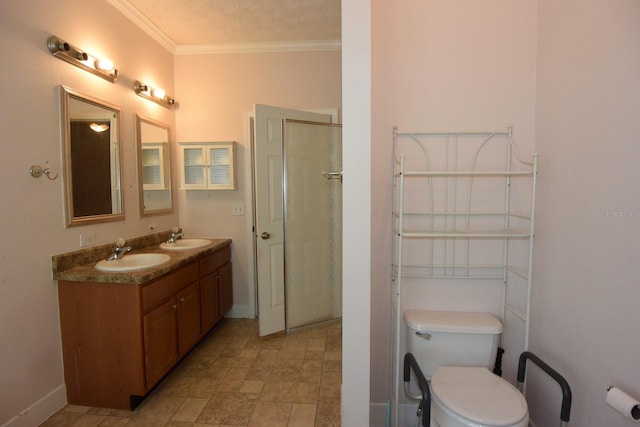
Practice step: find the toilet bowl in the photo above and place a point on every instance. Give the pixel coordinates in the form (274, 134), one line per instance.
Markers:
(454, 351)
(472, 396)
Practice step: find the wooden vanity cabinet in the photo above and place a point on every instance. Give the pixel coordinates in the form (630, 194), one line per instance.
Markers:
(171, 320)
(215, 287)
(119, 339)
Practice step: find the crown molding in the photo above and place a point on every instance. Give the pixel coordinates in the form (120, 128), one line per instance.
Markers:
(134, 15)
(267, 47)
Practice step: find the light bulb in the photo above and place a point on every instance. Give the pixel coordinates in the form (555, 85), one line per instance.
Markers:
(158, 93)
(104, 64)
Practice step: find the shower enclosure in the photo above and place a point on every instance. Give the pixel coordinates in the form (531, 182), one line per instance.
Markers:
(312, 203)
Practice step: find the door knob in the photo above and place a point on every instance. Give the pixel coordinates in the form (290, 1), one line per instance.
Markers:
(265, 235)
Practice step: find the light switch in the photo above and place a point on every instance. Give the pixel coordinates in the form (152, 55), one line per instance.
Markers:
(237, 209)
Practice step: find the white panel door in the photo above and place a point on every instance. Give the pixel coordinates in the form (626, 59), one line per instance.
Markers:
(269, 228)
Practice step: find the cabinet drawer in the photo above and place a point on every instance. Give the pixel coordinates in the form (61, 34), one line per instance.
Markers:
(166, 287)
(212, 262)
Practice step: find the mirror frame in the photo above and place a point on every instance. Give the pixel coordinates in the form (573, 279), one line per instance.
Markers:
(146, 212)
(66, 95)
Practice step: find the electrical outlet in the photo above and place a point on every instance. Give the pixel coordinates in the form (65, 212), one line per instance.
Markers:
(237, 209)
(87, 240)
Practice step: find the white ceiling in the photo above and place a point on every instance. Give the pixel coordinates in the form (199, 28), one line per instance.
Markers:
(227, 25)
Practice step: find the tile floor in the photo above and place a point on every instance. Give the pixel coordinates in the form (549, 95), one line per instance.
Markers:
(235, 378)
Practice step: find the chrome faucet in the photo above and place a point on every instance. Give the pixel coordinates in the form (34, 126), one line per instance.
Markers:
(119, 250)
(176, 233)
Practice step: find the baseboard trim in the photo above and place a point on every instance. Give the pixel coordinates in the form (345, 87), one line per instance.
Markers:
(240, 312)
(377, 414)
(41, 410)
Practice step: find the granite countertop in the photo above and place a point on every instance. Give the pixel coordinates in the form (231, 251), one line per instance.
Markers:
(79, 266)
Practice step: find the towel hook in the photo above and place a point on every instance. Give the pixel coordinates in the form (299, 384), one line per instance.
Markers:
(36, 171)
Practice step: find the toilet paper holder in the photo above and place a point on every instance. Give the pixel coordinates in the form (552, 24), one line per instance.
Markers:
(623, 403)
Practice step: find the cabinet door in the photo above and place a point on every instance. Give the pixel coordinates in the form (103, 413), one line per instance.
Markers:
(160, 341)
(188, 317)
(221, 166)
(193, 167)
(209, 301)
(225, 288)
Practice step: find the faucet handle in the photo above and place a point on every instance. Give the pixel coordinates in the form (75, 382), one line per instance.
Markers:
(120, 242)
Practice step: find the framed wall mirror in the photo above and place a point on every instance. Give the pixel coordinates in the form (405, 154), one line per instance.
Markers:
(91, 159)
(154, 167)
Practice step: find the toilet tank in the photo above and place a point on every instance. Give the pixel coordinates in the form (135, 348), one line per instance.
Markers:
(452, 338)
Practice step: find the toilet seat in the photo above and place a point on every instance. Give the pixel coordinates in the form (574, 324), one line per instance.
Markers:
(477, 397)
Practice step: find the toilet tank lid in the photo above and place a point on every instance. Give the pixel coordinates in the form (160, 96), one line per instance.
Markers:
(453, 322)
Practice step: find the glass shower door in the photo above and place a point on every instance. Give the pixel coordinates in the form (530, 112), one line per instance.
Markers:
(312, 154)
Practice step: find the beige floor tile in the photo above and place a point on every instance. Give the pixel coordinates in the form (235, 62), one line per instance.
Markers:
(332, 365)
(251, 387)
(277, 391)
(249, 352)
(267, 353)
(244, 362)
(63, 418)
(333, 355)
(190, 410)
(210, 367)
(316, 344)
(302, 415)
(334, 343)
(121, 413)
(189, 387)
(89, 420)
(238, 342)
(312, 365)
(305, 392)
(270, 414)
(330, 384)
(157, 409)
(228, 408)
(109, 421)
(328, 413)
(314, 355)
(310, 376)
(233, 379)
(291, 353)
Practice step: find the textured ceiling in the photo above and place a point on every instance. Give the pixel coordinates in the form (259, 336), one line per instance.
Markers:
(211, 22)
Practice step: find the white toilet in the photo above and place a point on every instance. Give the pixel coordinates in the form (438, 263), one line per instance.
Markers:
(454, 350)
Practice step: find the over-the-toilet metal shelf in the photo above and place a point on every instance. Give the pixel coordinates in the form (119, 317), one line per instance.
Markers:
(463, 208)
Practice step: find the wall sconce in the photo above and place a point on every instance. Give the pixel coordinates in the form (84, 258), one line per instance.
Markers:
(67, 52)
(156, 95)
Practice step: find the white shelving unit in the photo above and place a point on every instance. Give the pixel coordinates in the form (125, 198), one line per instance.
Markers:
(207, 165)
(461, 198)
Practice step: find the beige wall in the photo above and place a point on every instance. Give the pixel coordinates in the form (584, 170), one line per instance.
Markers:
(31, 212)
(216, 93)
(586, 294)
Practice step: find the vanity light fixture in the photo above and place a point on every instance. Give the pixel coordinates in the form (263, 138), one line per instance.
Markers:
(156, 95)
(67, 52)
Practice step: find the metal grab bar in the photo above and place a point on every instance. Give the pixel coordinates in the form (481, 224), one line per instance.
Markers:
(565, 411)
(411, 363)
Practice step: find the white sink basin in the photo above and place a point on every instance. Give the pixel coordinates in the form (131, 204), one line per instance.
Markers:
(185, 244)
(133, 262)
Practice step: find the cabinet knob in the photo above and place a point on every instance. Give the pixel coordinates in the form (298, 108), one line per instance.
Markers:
(182, 299)
(174, 306)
